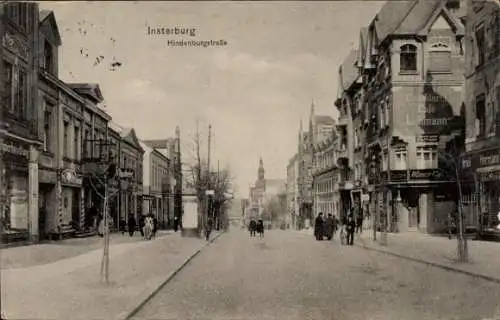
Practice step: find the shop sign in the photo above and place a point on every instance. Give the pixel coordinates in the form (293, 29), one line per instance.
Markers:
(489, 158)
(398, 175)
(16, 150)
(426, 174)
(490, 176)
(69, 176)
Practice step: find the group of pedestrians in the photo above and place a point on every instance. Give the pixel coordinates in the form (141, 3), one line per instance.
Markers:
(329, 226)
(131, 224)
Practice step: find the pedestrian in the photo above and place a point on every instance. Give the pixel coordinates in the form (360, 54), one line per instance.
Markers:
(359, 222)
(329, 222)
(318, 227)
(452, 225)
(131, 225)
(176, 224)
(350, 228)
(141, 225)
(208, 229)
(123, 226)
(336, 224)
(155, 226)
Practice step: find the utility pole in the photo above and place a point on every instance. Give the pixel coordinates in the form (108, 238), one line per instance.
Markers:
(208, 176)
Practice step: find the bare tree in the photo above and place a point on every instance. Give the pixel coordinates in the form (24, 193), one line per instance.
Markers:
(450, 167)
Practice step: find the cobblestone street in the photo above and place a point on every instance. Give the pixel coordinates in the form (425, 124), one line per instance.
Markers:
(71, 288)
(288, 275)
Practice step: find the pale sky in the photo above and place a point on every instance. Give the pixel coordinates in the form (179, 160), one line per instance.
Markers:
(254, 91)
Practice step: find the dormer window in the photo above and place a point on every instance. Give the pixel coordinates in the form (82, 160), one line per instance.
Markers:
(408, 58)
(48, 57)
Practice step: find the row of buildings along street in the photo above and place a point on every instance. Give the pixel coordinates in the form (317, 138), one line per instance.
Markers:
(417, 132)
(59, 143)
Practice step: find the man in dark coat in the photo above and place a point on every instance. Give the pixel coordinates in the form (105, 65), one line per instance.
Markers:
(318, 227)
(155, 225)
(131, 225)
(359, 222)
(350, 228)
(329, 227)
(141, 225)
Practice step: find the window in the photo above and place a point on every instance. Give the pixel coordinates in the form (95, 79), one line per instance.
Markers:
(21, 95)
(480, 115)
(8, 76)
(387, 114)
(86, 139)
(427, 157)
(47, 124)
(400, 158)
(480, 45)
(48, 58)
(65, 139)
(408, 58)
(385, 162)
(439, 58)
(382, 117)
(76, 143)
(19, 14)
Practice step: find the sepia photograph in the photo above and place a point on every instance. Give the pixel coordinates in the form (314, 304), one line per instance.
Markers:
(250, 160)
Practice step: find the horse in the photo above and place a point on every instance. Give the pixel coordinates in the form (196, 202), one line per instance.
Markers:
(252, 227)
(260, 228)
(148, 228)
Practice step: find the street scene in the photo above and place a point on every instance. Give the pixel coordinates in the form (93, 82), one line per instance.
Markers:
(250, 160)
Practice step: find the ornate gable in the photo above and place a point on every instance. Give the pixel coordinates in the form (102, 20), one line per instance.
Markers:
(442, 19)
(131, 137)
(49, 28)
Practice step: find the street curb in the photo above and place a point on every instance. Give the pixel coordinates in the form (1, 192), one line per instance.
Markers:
(434, 264)
(136, 309)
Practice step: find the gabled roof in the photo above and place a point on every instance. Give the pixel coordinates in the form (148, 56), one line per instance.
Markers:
(91, 90)
(349, 73)
(126, 134)
(49, 17)
(391, 15)
(411, 17)
(360, 58)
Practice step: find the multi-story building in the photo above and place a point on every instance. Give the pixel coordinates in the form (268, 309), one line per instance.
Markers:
(130, 173)
(411, 65)
(67, 116)
(292, 190)
(20, 143)
(482, 107)
(325, 176)
(157, 180)
(347, 95)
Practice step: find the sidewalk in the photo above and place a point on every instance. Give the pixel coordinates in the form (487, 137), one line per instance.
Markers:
(71, 288)
(484, 257)
(38, 254)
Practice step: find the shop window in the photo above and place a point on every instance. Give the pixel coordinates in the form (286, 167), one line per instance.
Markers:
(408, 58)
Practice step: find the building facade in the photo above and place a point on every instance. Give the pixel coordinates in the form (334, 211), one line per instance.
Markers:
(411, 65)
(127, 198)
(20, 142)
(292, 190)
(482, 108)
(325, 176)
(157, 188)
